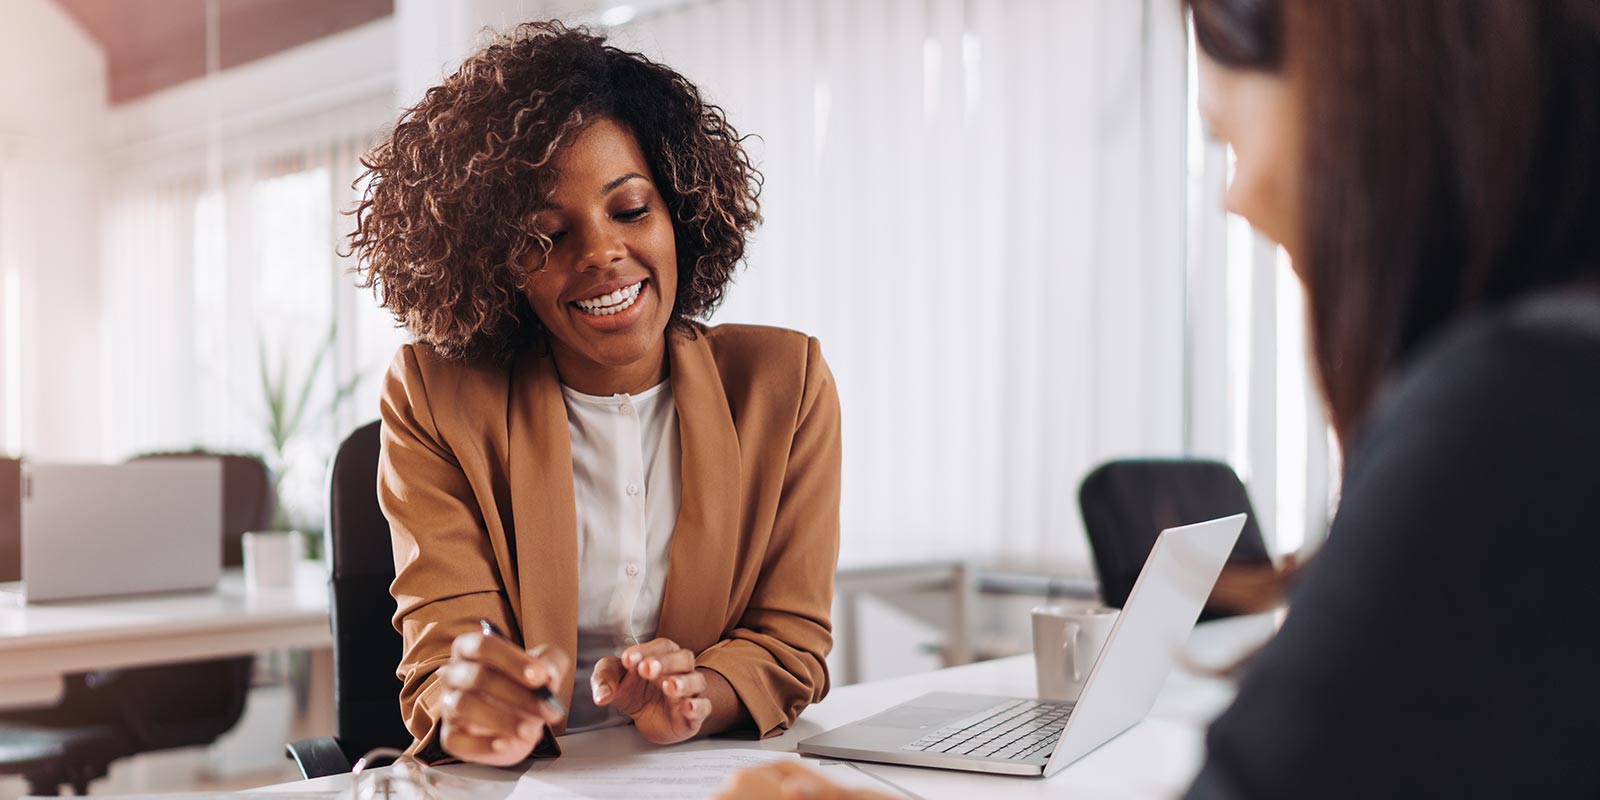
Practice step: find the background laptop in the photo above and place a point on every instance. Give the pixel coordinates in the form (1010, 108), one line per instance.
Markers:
(97, 530)
(1016, 736)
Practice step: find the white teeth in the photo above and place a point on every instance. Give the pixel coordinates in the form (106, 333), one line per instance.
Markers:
(606, 305)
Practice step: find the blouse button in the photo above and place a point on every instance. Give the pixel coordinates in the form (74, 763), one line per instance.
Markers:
(626, 409)
(633, 489)
(633, 570)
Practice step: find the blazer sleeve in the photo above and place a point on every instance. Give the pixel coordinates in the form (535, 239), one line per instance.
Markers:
(445, 578)
(776, 657)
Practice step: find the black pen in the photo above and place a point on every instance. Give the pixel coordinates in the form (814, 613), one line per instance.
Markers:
(543, 692)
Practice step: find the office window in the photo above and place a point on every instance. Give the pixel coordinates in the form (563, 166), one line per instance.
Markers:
(977, 206)
(221, 296)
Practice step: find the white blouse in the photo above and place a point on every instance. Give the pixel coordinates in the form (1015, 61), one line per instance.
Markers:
(626, 478)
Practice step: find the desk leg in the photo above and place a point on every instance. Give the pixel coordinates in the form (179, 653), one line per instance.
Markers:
(317, 718)
(963, 604)
(850, 620)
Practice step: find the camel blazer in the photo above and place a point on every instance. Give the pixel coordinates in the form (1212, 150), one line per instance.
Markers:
(475, 478)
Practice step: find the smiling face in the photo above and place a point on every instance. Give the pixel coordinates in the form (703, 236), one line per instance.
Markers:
(607, 287)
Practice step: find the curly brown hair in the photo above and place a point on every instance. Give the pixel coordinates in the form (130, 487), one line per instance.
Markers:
(446, 217)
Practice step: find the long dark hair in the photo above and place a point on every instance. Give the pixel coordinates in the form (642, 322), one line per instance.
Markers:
(1452, 162)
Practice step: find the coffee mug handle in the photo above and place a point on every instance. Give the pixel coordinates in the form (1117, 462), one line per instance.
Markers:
(1069, 645)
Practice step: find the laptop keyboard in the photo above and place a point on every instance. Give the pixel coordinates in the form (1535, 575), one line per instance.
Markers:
(1010, 731)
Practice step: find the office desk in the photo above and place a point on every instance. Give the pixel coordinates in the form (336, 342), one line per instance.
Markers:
(1155, 759)
(40, 643)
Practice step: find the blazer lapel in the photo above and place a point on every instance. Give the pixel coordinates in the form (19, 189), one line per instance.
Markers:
(706, 539)
(539, 473)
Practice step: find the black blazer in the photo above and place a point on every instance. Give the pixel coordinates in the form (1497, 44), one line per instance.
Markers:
(1446, 640)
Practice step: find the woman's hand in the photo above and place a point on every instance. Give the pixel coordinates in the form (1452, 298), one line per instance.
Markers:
(789, 781)
(491, 714)
(657, 685)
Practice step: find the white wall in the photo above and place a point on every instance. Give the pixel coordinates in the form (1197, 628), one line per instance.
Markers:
(52, 112)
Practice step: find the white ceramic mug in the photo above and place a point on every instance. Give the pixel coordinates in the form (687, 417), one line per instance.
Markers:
(269, 559)
(1066, 642)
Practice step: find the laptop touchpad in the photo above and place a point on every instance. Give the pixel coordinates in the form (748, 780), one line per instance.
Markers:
(913, 717)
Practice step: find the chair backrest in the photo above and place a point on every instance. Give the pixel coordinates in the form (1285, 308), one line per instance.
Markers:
(1126, 504)
(249, 499)
(366, 647)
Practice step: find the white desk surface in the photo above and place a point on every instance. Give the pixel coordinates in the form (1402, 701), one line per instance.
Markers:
(1155, 759)
(39, 643)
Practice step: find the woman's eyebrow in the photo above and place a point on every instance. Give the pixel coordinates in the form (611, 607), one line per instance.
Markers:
(618, 181)
(605, 190)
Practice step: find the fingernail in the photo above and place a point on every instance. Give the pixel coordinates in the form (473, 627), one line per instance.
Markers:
(653, 668)
(502, 744)
(534, 675)
(677, 683)
(529, 730)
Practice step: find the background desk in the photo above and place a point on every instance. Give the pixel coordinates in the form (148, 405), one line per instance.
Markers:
(39, 644)
(1157, 758)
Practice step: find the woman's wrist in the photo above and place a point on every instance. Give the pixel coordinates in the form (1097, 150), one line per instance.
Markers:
(727, 713)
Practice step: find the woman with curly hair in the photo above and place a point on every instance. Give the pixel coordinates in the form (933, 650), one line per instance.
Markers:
(581, 480)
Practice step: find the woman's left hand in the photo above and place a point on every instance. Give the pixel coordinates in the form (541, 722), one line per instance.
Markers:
(657, 685)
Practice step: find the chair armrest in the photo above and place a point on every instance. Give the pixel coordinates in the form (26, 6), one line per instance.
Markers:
(318, 757)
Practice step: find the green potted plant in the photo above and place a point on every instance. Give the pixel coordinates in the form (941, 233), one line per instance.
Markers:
(289, 413)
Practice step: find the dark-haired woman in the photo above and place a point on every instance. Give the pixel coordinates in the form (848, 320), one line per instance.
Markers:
(1433, 167)
(635, 502)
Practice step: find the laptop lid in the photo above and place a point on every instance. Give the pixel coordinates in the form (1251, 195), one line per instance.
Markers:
(98, 530)
(1152, 630)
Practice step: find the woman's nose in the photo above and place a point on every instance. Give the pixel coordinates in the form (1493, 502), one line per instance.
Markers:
(602, 246)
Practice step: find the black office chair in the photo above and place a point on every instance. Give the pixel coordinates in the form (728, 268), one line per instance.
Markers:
(1126, 504)
(366, 647)
(112, 714)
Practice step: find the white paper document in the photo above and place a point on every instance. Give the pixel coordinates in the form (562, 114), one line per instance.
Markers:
(665, 776)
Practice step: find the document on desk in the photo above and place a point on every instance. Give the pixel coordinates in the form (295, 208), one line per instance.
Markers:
(667, 776)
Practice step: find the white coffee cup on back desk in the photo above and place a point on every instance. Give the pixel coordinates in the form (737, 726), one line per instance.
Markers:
(269, 559)
(1066, 642)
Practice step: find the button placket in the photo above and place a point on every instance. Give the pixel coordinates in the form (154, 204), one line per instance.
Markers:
(635, 535)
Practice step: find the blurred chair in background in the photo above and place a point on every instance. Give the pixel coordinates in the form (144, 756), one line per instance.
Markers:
(366, 647)
(10, 519)
(112, 714)
(1127, 503)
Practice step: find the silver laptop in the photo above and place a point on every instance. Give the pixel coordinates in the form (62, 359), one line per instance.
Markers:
(1021, 736)
(92, 530)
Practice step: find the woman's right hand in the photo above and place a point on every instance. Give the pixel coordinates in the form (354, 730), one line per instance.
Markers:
(490, 712)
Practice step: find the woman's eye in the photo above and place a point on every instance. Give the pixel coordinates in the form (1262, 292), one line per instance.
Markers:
(555, 237)
(633, 214)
